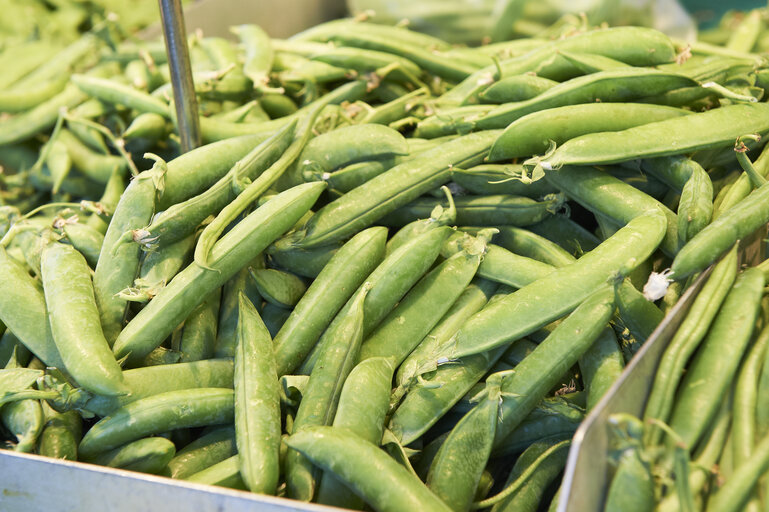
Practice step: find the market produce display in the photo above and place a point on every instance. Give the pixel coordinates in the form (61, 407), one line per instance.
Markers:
(398, 273)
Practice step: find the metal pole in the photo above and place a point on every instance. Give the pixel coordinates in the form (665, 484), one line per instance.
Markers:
(172, 19)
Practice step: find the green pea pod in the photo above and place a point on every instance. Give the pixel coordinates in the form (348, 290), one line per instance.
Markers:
(537, 474)
(222, 474)
(450, 121)
(438, 217)
(199, 332)
(257, 402)
(390, 282)
(40, 118)
(18, 100)
(320, 399)
(253, 234)
(533, 133)
(23, 310)
(74, 318)
(600, 366)
(118, 262)
(86, 240)
(391, 189)
(456, 470)
(274, 318)
(602, 193)
(108, 201)
(205, 451)
(553, 418)
(716, 363)
(695, 208)
(159, 413)
(61, 434)
(489, 210)
(362, 413)
(529, 244)
(259, 53)
(566, 233)
(160, 266)
(715, 238)
(527, 309)
(366, 469)
(632, 487)
(616, 85)
(472, 299)
(282, 289)
(307, 263)
(24, 420)
(326, 295)
(93, 165)
(111, 91)
(226, 333)
(148, 455)
(516, 88)
(716, 128)
(487, 179)
(637, 313)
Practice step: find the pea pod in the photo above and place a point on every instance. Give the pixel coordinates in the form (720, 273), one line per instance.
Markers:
(602, 193)
(321, 397)
(205, 451)
(527, 309)
(223, 474)
(74, 318)
(362, 413)
(86, 240)
(695, 208)
(531, 134)
(370, 472)
(279, 288)
(24, 420)
(259, 53)
(227, 328)
(257, 402)
(159, 413)
(148, 455)
(714, 128)
(326, 295)
(499, 179)
(516, 88)
(403, 183)
(253, 234)
(61, 434)
(198, 338)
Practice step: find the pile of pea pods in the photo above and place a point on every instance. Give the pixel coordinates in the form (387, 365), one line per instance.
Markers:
(397, 274)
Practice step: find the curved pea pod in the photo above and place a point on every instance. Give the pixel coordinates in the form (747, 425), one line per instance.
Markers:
(160, 265)
(600, 366)
(637, 313)
(489, 210)
(61, 434)
(95, 166)
(74, 318)
(539, 371)
(362, 413)
(205, 451)
(326, 295)
(631, 487)
(148, 455)
(533, 133)
(367, 470)
(118, 262)
(86, 240)
(259, 53)
(193, 172)
(181, 219)
(353, 175)
(257, 402)
(553, 418)
(23, 310)
(715, 238)
(24, 420)
(439, 216)
(394, 188)
(232, 252)
(716, 363)
(456, 470)
(487, 179)
(159, 413)
(602, 193)
(525, 243)
(418, 312)
(716, 128)
(198, 338)
(226, 333)
(222, 474)
(616, 85)
(516, 88)
(534, 306)
(537, 467)
(306, 263)
(320, 399)
(279, 288)
(566, 233)
(695, 208)
(347, 145)
(674, 171)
